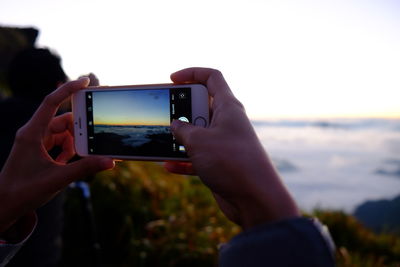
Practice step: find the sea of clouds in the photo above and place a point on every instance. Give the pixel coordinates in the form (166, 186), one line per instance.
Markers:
(338, 163)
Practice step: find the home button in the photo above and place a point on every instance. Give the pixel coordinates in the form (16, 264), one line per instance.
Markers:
(200, 121)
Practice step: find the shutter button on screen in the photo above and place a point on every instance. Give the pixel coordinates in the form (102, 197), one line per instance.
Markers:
(200, 121)
(184, 119)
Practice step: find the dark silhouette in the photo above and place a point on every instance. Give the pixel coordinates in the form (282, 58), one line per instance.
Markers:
(33, 74)
(12, 41)
(380, 215)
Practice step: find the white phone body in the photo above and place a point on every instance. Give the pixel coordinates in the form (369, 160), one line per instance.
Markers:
(133, 122)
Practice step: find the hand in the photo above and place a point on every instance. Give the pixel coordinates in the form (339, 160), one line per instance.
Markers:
(30, 177)
(229, 158)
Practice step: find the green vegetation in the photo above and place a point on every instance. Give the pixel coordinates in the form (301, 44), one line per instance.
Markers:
(146, 216)
(358, 245)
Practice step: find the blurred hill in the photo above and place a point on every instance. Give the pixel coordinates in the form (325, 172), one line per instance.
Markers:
(380, 215)
(145, 216)
(12, 41)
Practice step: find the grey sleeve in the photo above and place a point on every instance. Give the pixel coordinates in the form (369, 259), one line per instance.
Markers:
(292, 242)
(7, 252)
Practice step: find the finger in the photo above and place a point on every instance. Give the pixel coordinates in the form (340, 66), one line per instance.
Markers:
(182, 131)
(86, 167)
(179, 167)
(62, 123)
(44, 114)
(212, 78)
(68, 149)
(63, 140)
(94, 81)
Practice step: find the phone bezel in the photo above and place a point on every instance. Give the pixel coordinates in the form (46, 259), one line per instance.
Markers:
(200, 108)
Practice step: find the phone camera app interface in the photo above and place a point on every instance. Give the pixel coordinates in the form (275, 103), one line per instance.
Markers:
(136, 122)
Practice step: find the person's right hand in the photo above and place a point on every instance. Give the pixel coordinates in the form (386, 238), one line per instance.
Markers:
(30, 177)
(229, 158)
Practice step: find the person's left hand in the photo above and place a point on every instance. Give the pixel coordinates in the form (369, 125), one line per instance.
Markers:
(30, 177)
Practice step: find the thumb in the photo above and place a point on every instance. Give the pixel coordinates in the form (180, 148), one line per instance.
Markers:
(87, 166)
(182, 130)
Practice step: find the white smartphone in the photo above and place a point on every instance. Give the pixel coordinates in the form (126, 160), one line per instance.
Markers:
(133, 122)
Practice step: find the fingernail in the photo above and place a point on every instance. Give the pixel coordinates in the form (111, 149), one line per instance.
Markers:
(107, 163)
(85, 79)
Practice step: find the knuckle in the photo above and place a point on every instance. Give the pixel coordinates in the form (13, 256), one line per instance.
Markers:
(22, 135)
(232, 103)
(237, 103)
(49, 100)
(217, 74)
(193, 137)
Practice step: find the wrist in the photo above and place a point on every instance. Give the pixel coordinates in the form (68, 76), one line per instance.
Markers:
(255, 212)
(10, 212)
(267, 199)
(20, 229)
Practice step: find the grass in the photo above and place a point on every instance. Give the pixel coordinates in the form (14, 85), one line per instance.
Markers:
(145, 216)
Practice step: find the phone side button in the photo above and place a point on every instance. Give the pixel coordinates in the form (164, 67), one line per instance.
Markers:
(200, 121)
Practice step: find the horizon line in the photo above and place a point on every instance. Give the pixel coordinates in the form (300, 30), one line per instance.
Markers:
(325, 117)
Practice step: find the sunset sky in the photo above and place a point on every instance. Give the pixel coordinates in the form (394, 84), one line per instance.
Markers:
(139, 107)
(282, 59)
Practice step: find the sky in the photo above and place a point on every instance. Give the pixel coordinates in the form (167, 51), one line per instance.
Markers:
(282, 59)
(131, 107)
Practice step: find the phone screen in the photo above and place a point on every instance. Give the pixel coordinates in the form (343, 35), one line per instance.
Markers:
(136, 122)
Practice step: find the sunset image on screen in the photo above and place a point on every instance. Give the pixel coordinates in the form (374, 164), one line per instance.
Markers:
(131, 122)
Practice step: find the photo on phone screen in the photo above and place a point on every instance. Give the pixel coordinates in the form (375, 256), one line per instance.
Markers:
(136, 122)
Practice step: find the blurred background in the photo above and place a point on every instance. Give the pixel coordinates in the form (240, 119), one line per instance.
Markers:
(319, 79)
